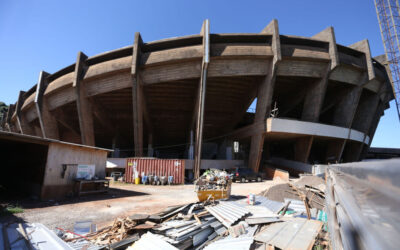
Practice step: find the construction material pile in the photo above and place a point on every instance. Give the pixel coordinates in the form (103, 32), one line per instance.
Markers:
(226, 224)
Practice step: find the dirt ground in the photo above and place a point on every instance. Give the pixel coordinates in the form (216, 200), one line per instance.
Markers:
(122, 200)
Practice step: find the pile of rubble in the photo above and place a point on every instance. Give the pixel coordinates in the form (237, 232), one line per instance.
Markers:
(287, 216)
(213, 179)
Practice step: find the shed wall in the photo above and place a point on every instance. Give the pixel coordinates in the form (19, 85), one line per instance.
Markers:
(56, 187)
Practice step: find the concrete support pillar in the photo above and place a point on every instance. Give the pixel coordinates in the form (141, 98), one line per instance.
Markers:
(137, 97)
(314, 98)
(352, 100)
(115, 146)
(303, 148)
(23, 123)
(83, 105)
(191, 146)
(334, 151)
(352, 151)
(365, 112)
(150, 151)
(328, 35)
(347, 107)
(48, 124)
(264, 97)
(205, 31)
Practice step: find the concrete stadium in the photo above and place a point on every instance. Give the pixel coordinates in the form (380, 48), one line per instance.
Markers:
(188, 97)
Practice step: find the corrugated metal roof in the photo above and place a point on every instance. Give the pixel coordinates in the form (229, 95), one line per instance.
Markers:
(242, 243)
(227, 212)
(273, 206)
(39, 140)
(296, 205)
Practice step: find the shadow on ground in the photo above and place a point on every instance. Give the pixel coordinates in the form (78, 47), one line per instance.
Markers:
(19, 200)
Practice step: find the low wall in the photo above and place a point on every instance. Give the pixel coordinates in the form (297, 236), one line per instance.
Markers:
(218, 164)
(57, 187)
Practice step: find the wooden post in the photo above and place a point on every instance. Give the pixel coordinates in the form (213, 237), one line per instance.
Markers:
(48, 124)
(83, 105)
(205, 31)
(137, 97)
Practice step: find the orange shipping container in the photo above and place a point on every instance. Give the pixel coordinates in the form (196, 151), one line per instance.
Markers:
(159, 167)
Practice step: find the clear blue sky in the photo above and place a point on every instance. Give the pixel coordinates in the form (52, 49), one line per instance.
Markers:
(46, 35)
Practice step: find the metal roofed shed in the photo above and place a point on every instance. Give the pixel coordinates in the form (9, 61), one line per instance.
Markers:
(44, 168)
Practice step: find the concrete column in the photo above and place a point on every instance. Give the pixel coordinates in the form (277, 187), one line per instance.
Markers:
(23, 123)
(328, 35)
(334, 151)
(84, 107)
(150, 151)
(303, 148)
(352, 151)
(191, 146)
(205, 31)
(347, 106)
(365, 112)
(48, 124)
(137, 97)
(315, 98)
(264, 97)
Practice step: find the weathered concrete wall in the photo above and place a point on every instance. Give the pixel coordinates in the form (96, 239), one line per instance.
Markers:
(116, 162)
(56, 187)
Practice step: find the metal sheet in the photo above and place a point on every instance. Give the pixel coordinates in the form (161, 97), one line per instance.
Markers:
(150, 241)
(297, 233)
(227, 212)
(365, 200)
(159, 167)
(262, 220)
(242, 243)
(296, 205)
(39, 236)
(202, 236)
(273, 206)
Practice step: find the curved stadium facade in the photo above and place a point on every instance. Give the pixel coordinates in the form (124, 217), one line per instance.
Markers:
(317, 101)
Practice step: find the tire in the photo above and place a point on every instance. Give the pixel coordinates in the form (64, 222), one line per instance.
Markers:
(259, 179)
(243, 180)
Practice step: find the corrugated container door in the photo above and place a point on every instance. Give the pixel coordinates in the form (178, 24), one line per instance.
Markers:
(159, 167)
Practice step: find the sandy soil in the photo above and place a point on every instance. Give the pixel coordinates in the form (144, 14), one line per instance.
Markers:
(122, 200)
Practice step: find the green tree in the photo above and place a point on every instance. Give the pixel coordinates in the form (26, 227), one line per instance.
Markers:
(3, 110)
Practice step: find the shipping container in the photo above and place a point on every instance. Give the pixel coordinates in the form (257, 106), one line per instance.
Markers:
(159, 167)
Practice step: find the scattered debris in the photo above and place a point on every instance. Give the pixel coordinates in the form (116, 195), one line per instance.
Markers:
(276, 218)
